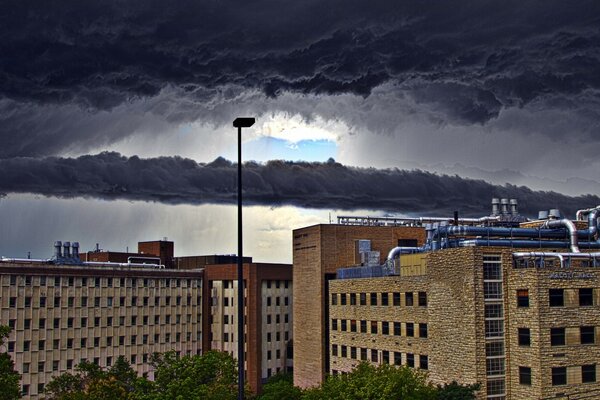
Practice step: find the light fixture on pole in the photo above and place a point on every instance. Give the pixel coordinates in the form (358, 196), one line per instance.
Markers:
(240, 123)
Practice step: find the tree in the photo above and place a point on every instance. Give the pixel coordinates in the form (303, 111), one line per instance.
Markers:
(9, 378)
(455, 391)
(367, 382)
(280, 387)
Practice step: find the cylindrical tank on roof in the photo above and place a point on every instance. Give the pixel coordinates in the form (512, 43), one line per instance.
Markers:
(75, 249)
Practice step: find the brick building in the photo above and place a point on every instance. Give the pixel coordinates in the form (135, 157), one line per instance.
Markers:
(518, 314)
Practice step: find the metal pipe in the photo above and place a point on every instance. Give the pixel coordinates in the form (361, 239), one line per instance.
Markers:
(570, 227)
(396, 251)
(25, 260)
(560, 256)
(143, 258)
(115, 264)
(580, 213)
(547, 244)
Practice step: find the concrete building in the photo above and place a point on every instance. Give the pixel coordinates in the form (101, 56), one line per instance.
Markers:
(488, 301)
(63, 314)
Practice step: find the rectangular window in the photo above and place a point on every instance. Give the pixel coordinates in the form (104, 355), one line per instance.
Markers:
(492, 290)
(494, 328)
(410, 329)
(408, 298)
(352, 299)
(423, 299)
(352, 325)
(410, 360)
(586, 297)
(385, 328)
(363, 326)
(344, 325)
(424, 362)
(587, 335)
(494, 348)
(396, 298)
(353, 353)
(588, 373)
(363, 299)
(493, 311)
(343, 299)
(363, 354)
(344, 351)
(495, 366)
(423, 330)
(385, 357)
(525, 376)
(397, 329)
(373, 299)
(522, 297)
(373, 326)
(334, 325)
(385, 299)
(374, 357)
(397, 358)
(496, 387)
(556, 297)
(492, 271)
(557, 336)
(524, 337)
(559, 376)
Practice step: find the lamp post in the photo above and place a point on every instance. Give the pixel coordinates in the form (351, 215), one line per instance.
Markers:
(240, 123)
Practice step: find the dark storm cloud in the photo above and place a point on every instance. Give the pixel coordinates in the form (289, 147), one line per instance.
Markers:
(465, 61)
(317, 185)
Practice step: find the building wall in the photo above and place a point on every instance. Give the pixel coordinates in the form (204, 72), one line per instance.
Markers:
(255, 275)
(318, 251)
(61, 315)
(276, 327)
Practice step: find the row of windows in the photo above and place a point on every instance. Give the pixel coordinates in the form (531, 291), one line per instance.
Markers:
(557, 297)
(286, 301)
(587, 335)
(351, 299)
(34, 280)
(56, 366)
(110, 301)
(97, 321)
(361, 353)
(387, 328)
(559, 374)
(108, 341)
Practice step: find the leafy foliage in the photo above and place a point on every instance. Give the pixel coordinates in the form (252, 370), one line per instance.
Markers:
(9, 378)
(280, 387)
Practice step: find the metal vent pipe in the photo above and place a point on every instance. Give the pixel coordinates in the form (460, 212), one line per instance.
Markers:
(58, 249)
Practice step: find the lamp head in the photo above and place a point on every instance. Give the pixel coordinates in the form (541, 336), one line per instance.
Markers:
(243, 122)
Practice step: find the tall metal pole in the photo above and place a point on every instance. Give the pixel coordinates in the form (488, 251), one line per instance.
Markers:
(240, 275)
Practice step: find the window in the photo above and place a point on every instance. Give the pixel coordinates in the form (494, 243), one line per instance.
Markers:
(269, 300)
(344, 351)
(69, 343)
(363, 326)
(374, 355)
(42, 301)
(83, 342)
(522, 297)
(524, 337)
(423, 330)
(556, 297)
(122, 301)
(352, 325)
(70, 322)
(363, 299)
(410, 360)
(525, 375)
(27, 301)
(410, 329)
(588, 373)
(385, 328)
(121, 340)
(586, 297)
(344, 325)
(83, 322)
(396, 298)
(492, 290)
(12, 302)
(41, 345)
(494, 328)
(397, 329)
(41, 365)
(495, 366)
(424, 362)
(84, 301)
(373, 299)
(397, 358)
(334, 351)
(55, 365)
(587, 334)
(25, 368)
(423, 299)
(408, 298)
(557, 336)
(57, 302)
(71, 301)
(373, 326)
(559, 376)
(96, 342)
(96, 301)
(385, 357)
(494, 348)
(352, 299)
(334, 325)
(385, 299)
(343, 299)
(27, 324)
(56, 323)
(26, 345)
(56, 344)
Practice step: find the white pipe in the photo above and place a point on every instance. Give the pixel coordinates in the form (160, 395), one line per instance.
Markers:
(24, 260)
(396, 251)
(560, 256)
(570, 226)
(115, 264)
(143, 258)
(585, 211)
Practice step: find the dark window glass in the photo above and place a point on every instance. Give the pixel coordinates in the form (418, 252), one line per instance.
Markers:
(396, 298)
(334, 299)
(334, 325)
(343, 299)
(408, 297)
(397, 329)
(385, 328)
(385, 299)
(587, 334)
(522, 297)
(422, 299)
(524, 337)
(586, 297)
(352, 325)
(410, 360)
(374, 355)
(556, 297)
(423, 330)
(344, 325)
(363, 326)
(410, 329)
(363, 299)
(525, 375)
(373, 326)
(363, 354)
(373, 299)
(352, 299)
(423, 362)
(588, 373)
(557, 336)
(397, 358)
(559, 376)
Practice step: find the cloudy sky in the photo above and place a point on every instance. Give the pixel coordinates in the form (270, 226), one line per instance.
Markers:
(115, 116)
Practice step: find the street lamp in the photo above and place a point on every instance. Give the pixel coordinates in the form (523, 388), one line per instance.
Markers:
(240, 123)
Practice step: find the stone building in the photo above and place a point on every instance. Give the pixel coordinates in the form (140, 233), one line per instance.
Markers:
(519, 314)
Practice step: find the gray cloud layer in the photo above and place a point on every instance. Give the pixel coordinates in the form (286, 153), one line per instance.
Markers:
(316, 185)
(63, 68)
